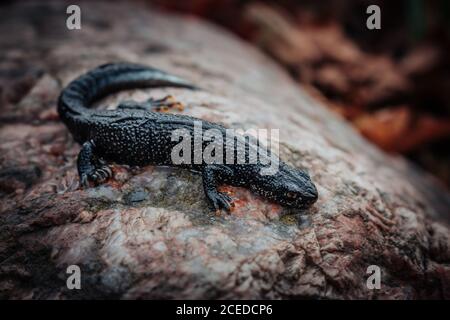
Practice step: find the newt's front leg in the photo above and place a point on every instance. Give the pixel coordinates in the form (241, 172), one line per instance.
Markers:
(90, 168)
(211, 180)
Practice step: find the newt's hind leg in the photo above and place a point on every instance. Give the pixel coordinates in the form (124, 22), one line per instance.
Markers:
(157, 105)
(165, 103)
(90, 168)
(133, 105)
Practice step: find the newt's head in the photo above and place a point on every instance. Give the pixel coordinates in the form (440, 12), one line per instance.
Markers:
(289, 187)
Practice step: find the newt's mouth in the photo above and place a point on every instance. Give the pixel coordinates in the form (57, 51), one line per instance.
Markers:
(307, 200)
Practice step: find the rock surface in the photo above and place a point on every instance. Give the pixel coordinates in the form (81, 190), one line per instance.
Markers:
(149, 233)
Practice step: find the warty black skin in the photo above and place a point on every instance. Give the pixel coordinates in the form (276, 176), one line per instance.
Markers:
(135, 135)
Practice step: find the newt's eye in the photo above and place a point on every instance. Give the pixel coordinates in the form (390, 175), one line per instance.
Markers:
(292, 195)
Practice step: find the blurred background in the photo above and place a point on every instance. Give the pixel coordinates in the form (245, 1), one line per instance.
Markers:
(392, 84)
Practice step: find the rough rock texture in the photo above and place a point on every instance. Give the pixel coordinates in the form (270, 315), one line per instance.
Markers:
(149, 233)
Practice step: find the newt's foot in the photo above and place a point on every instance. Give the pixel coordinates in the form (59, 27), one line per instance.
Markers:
(220, 200)
(164, 104)
(156, 105)
(96, 176)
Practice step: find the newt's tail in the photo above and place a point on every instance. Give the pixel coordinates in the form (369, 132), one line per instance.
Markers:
(108, 78)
